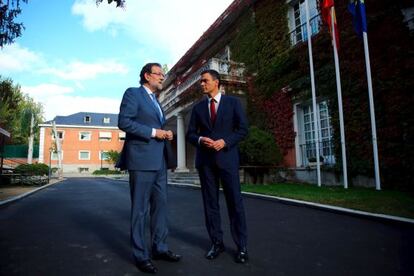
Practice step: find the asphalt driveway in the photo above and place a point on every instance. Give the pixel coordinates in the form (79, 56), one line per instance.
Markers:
(81, 227)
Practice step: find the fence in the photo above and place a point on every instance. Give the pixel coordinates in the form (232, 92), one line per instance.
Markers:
(308, 152)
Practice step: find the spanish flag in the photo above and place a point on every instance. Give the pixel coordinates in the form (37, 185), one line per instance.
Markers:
(326, 7)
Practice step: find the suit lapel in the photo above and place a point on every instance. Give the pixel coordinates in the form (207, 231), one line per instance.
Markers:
(205, 113)
(149, 101)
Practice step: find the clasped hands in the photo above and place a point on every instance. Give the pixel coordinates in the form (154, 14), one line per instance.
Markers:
(164, 134)
(213, 144)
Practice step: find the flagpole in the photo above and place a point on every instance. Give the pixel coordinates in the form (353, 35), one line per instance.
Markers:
(372, 112)
(315, 117)
(339, 91)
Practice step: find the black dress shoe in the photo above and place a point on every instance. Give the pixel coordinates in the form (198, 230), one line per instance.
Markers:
(147, 267)
(167, 256)
(215, 250)
(242, 257)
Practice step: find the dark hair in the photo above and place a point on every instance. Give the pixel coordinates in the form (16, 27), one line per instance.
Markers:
(214, 74)
(147, 69)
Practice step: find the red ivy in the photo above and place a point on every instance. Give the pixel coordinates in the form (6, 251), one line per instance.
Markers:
(278, 113)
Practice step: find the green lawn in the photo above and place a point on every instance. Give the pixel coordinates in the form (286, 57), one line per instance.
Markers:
(388, 202)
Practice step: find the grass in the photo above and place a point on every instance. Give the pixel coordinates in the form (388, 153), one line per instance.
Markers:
(388, 202)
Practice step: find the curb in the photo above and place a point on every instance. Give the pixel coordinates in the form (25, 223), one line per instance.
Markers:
(335, 209)
(341, 210)
(16, 198)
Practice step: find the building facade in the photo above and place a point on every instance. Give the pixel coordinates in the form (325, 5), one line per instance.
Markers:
(85, 139)
(260, 49)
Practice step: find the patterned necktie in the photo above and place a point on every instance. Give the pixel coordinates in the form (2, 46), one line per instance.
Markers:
(154, 101)
(212, 110)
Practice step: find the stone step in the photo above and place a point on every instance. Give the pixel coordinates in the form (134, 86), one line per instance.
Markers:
(183, 183)
(184, 180)
(183, 174)
(184, 177)
(189, 178)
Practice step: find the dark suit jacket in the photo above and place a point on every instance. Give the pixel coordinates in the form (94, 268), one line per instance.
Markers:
(230, 125)
(137, 117)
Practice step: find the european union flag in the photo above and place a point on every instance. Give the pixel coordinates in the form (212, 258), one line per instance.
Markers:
(357, 9)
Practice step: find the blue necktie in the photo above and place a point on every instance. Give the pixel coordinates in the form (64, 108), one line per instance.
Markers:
(154, 101)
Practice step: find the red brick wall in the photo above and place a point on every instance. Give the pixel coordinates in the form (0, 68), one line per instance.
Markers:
(71, 145)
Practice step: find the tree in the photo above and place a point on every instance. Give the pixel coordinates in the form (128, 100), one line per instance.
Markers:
(9, 30)
(119, 3)
(260, 148)
(113, 156)
(16, 110)
(10, 97)
(259, 152)
(165, 68)
(29, 108)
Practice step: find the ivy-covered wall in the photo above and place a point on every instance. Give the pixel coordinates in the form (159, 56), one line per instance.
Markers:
(276, 69)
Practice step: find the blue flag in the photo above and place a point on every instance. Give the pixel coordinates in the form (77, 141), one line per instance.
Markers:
(357, 9)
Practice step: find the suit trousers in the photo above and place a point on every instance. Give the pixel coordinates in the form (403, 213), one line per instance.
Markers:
(210, 177)
(148, 197)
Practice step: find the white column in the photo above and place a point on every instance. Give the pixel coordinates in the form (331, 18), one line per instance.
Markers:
(181, 156)
(42, 145)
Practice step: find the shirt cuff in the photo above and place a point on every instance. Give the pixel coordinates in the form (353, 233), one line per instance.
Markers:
(199, 140)
(154, 131)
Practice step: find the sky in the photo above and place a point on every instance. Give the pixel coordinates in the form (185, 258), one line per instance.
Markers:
(76, 57)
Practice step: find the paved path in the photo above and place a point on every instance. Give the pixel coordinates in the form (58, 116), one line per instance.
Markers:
(81, 227)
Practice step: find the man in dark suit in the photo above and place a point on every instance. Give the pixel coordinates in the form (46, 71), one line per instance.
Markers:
(217, 125)
(143, 154)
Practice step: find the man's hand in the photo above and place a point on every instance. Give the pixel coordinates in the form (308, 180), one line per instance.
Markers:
(210, 143)
(169, 135)
(219, 144)
(164, 134)
(207, 142)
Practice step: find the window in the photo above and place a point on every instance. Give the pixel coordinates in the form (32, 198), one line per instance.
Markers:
(107, 120)
(87, 119)
(54, 155)
(297, 20)
(307, 134)
(60, 134)
(121, 136)
(103, 155)
(84, 155)
(85, 135)
(105, 136)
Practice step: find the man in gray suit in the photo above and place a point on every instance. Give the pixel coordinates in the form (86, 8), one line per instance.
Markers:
(144, 156)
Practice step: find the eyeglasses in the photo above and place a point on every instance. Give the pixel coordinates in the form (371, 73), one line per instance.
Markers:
(158, 74)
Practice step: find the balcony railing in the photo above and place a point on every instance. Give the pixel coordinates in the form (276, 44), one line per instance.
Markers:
(300, 33)
(228, 69)
(308, 152)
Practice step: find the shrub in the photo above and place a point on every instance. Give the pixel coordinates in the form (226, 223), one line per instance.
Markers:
(260, 149)
(113, 156)
(105, 171)
(33, 169)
